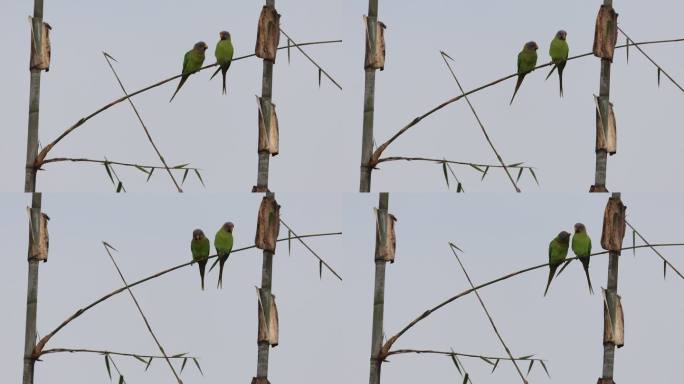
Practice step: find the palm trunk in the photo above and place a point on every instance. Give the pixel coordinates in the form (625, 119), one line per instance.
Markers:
(604, 100)
(378, 306)
(266, 92)
(30, 186)
(368, 105)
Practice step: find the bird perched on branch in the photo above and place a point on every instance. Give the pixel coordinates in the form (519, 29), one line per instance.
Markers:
(224, 56)
(223, 242)
(558, 50)
(192, 62)
(581, 246)
(527, 60)
(199, 246)
(558, 251)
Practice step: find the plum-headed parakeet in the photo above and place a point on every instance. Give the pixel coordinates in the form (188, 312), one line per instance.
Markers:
(224, 56)
(200, 247)
(527, 60)
(558, 251)
(581, 246)
(559, 56)
(192, 62)
(223, 242)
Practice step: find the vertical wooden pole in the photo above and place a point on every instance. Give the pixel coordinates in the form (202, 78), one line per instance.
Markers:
(266, 93)
(604, 101)
(265, 295)
(30, 186)
(368, 103)
(378, 304)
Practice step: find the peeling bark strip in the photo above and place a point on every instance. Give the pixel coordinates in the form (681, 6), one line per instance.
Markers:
(613, 225)
(375, 54)
(613, 320)
(385, 238)
(268, 34)
(267, 332)
(268, 127)
(605, 34)
(41, 60)
(268, 224)
(606, 134)
(39, 241)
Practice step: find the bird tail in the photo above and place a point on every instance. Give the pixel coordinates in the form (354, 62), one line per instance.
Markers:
(586, 272)
(215, 73)
(222, 260)
(182, 81)
(517, 86)
(224, 79)
(202, 265)
(551, 72)
(552, 271)
(560, 78)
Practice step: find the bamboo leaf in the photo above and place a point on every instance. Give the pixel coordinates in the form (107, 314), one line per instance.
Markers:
(121, 379)
(320, 269)
(627, 50)
(109, 370)
(529, 368)
(525, 357)
(496, 363)
(534, 175)
(109, 171)
(179, 355)
(453, 358)
(185, 360)
(664, 269)
(141, 169)
(514, 165)
(659, 76)
(634, 243)
(120, 187)
(181, 166)
(545, 370)
(288, 51)
(149, 175)
(289, 242)
(445, 54)
(148, 363)
(199, 177)
(106, 244)
(319, 77)
(486, 360)
(198, 366)
(465, 379)
(484, 173)
(459, 188)
(446, 177)
(140, 359)
(185, 175)
(476, 167)
(455, 246)
(520, 171)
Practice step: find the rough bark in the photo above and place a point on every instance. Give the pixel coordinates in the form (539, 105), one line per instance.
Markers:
(268, 223)
(268, 34)
(605, 33)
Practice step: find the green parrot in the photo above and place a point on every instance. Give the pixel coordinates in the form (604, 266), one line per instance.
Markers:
(581, 246)
(199, 246)
(527, 60)
(223, 242)
(224, 56)
(559, 55)
(558, 250)
(192, 62)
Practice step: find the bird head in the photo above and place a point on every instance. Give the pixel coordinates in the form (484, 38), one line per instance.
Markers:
(531, 46)
(579, 228)
(197, 234)
(228, 226)
(561, 34)
(201, 46)
(564, 236)
(224, 35)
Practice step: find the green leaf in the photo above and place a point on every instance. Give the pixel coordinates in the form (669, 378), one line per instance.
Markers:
(198, 366)
(534, 175)
(525, 357)
(545, 370)
(495, 365)
(289, 242)
(465, 379)
(484, 173)
(659, 76)
(121, 379)
(141, 169)
(179, 355)
(486, 360)
(634, 243)
(109, 171)
(445, 54)
(288, 50)
(476, 167)
(453, 358)
(320, 269)
(199, 177)
(319, 77)
(185, 175)
(446, 177)
(664, 269)
(120, 187)
(140, 359)
(106, 244)
(529, 368)
(515, 165)
(181, 166)
(148, 363)
(185, 360)
(109, 370)
(459, 188)
(149, 175)
(627, 50)
(455, 246)
(520, 171)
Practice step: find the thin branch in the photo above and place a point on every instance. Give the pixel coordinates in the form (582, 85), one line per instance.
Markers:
(667, 262)
(393, 339)
(81, 159)
(652, 61)
(47, 148)
(320, 260)
(442, 161)
(479, 122)
(489, 316)
(147, 323)
(142, 123)
(378, 152)
(320, 69)
(104, 352)
(429, 351)
(43, 341)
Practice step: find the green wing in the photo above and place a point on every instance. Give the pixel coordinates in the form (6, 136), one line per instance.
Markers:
(559, 50)
(199, 248)
(224, 52)
(581, 244)
(223, 241)
(557, 252)
(192, 61)
(527, 60)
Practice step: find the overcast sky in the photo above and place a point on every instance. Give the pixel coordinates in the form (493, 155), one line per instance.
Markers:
(153, 234)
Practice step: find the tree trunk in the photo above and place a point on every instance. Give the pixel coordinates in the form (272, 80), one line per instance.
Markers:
(378, 305)
(265, 296)
(266, 92)
(604, 100)
(368, 103)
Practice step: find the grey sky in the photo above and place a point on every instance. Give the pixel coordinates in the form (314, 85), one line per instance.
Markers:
(213, 132)
(502, 233)
(153, 233)
(555, 135)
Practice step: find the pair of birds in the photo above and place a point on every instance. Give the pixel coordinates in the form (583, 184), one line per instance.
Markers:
(194, 58)
(527, 59)
(558, 251)
(200, 248)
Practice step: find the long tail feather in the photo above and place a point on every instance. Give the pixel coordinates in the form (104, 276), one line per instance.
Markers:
(552, 271)
(224, 79)
(550, 72)
(560, 78)
(202, 266)
(182, 81)
(216, 72)
(585, 265)
(220, 278)
(517, 86)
